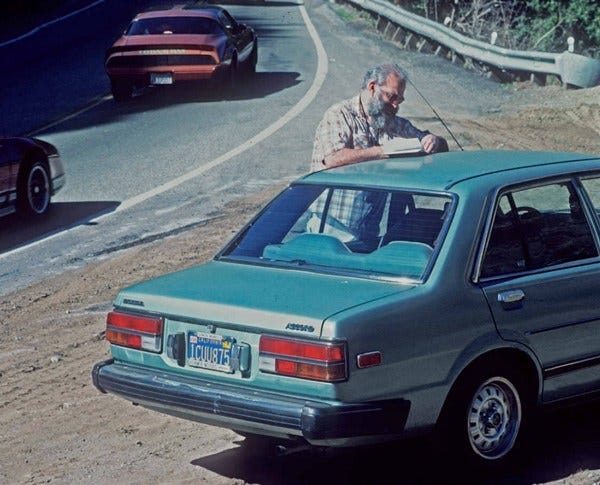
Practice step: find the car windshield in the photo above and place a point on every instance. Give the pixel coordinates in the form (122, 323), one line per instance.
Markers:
(174, 25)
(365, 230)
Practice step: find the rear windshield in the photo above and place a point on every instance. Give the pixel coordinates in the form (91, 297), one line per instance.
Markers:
(365, 230)
(174, 25)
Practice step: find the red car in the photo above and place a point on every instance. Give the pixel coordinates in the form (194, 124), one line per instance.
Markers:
(31, 171)
(189, 43)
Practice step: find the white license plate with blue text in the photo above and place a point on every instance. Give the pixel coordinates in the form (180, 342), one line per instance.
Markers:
(161, 78)
(210, 351)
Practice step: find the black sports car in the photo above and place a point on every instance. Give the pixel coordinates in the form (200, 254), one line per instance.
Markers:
(31, 171)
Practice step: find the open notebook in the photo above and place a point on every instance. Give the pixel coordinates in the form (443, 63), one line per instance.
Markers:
(402, 146)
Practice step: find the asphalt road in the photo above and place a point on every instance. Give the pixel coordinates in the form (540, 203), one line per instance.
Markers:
(170, 158)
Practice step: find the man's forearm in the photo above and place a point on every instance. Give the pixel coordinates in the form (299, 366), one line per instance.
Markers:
(346, 156)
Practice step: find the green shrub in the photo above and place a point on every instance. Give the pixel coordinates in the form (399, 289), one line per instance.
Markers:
(520, 24)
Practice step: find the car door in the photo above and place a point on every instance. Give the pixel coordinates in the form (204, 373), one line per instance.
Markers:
(9, 168)
(541, 276)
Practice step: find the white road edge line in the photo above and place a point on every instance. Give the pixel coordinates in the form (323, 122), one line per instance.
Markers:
(47, 24)
(321, 72)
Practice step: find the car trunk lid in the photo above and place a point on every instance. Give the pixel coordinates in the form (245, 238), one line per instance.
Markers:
(271, 299)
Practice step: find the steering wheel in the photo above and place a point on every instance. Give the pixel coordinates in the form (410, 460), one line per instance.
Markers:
(527, 212)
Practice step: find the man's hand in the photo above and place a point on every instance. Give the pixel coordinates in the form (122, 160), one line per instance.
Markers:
(432, 143)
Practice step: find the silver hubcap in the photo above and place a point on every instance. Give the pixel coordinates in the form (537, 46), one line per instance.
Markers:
(494, 418)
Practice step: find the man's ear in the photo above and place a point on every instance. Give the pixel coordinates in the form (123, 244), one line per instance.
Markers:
(371, 87)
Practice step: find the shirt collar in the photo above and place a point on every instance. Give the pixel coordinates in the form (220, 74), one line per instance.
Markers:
(359, 109)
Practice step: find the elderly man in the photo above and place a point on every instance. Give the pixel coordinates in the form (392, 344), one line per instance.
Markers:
(365, 126)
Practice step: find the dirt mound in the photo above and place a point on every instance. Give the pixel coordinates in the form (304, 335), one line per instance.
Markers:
(549, 118)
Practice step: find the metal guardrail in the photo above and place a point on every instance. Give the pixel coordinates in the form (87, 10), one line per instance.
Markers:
(572, 69)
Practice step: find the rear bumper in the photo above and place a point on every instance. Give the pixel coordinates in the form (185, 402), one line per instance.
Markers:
(251, 411)
(141, 76)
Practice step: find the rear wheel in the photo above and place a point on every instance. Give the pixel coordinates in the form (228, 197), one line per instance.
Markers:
(231, 74)
(494, 418)
(485, 416)
(121, 90)
(33, 195)
(252, 59)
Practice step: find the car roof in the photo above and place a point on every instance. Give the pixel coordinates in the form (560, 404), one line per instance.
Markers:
(183, 11)
(442, 171)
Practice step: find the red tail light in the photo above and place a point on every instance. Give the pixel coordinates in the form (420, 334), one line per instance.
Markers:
(321, 361)
(135, 331)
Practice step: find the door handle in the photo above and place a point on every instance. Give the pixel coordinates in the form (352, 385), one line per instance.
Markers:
(511, 296)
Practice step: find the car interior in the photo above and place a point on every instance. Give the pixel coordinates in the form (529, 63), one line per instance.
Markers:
(531, 237)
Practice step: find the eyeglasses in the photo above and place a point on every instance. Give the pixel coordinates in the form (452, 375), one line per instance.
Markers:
(391, 96)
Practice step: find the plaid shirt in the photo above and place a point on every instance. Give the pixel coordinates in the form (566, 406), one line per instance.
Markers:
(345, 125)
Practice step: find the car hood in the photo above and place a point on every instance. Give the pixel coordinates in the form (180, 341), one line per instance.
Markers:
(253, 296)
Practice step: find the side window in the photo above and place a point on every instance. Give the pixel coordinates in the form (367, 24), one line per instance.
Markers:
(592, 187)
(228, 21)
(536, 228)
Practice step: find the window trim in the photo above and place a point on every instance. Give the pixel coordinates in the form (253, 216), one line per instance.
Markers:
(589, 207)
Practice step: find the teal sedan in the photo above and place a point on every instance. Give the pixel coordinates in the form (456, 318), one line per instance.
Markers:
(457, 293)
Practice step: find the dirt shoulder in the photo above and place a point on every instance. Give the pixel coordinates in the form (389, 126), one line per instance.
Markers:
(56, 427)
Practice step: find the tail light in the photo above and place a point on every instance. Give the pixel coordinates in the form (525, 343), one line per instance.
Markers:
(320, 361)
(135, 331)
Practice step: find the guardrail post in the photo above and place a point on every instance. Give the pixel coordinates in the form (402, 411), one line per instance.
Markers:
(397, 36)
(409, 41)
(455, 57)
(538, 78)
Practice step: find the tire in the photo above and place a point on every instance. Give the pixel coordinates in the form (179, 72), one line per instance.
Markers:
(121, 90)
(33, 190)
(229, 77)
(252, 60)
(232, 74)
(485, 417)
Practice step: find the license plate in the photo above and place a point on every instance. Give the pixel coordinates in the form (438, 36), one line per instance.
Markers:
(161, 78)
(210, 351)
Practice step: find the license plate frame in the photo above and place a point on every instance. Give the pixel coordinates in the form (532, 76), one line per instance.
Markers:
(210, 351)
(161, 78)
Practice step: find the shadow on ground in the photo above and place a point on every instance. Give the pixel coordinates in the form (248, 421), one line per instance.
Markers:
(148, 99)
(562, 443)
(16, 230)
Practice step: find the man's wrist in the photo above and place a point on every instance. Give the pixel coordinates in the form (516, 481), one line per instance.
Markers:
(423, 134)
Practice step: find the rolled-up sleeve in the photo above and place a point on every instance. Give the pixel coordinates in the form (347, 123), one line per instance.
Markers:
(333, 133)
(405, 129)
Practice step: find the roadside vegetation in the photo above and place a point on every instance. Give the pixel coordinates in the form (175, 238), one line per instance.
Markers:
(544, 25)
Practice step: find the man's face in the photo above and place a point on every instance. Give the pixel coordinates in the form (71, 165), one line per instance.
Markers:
(385, 100)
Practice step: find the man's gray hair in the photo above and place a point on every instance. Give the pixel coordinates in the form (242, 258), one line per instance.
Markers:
(380, 73)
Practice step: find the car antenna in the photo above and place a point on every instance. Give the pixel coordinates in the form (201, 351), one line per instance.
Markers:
(437, 115)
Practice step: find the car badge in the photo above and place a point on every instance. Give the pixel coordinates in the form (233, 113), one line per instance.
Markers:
(128, 301)
(299, 327)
